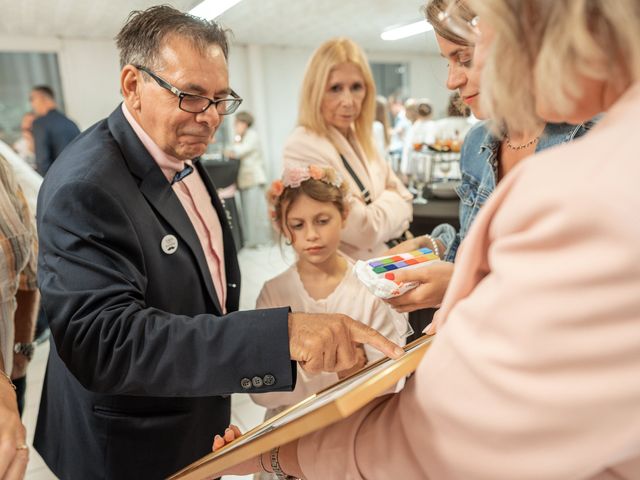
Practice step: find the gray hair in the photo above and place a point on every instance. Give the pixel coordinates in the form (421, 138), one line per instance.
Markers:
(145, 32)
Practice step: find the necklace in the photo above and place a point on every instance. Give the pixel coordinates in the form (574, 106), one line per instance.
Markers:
(522, 146)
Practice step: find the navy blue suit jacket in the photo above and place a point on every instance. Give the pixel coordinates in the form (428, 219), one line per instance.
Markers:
(142, 359)
(52, 133)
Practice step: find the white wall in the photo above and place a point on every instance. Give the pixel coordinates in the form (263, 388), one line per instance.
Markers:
(90, 74)
(267, 77)
(281, 70)
(427, 76)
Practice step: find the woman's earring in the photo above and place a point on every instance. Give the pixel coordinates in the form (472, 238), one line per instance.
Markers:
(288, 242)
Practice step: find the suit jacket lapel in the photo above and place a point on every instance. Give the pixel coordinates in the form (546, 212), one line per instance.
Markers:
(157, 190)
(232, 268)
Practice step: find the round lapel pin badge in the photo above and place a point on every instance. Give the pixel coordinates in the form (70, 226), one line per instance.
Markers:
(169, 244)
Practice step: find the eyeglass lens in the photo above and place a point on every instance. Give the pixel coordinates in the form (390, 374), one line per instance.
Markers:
(196, 104)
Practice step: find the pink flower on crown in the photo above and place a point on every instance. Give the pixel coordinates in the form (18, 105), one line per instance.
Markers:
(333, 177)
(275, 191)
(277, 187)
(316, 172)
(294, 176)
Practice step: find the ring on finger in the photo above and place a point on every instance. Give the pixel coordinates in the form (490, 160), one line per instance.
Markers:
(22, 446)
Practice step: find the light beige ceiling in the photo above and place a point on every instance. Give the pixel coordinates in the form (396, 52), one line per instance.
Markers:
(72, 18)
(268, 22)
(309, 22)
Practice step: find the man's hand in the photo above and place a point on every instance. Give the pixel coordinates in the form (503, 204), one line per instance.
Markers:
(328, 342)
(433, 278)
(20, 364)
(360, 363)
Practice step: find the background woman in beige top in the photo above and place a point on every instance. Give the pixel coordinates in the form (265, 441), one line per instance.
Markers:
(336, 114)
(534, 374)
(251, 180)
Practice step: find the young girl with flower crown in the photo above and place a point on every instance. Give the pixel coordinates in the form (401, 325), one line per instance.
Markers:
(309, 208)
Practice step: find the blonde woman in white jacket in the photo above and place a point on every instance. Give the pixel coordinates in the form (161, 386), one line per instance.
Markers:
(336, 113)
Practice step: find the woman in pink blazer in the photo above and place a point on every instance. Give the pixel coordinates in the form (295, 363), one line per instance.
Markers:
(535, 373)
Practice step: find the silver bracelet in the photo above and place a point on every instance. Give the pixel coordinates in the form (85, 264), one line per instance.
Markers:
(275, 464)
(436, 249)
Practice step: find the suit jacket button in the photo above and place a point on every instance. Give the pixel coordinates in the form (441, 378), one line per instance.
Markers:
(246, 383)
(257, 382)
(269, 380)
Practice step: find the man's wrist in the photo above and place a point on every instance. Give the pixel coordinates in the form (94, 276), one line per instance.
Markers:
(25, 349)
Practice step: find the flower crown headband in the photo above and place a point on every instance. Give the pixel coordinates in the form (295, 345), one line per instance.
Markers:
(292, 177)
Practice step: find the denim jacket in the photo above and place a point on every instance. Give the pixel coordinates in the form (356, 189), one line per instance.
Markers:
(477, 158)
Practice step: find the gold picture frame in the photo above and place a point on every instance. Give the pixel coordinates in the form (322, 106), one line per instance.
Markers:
(328, 406)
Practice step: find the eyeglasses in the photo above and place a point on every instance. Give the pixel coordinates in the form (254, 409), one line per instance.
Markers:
(456, 19)
(197, 103)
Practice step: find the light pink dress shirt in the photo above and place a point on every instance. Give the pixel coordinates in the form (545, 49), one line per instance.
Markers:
(535, 375)
(196, 201)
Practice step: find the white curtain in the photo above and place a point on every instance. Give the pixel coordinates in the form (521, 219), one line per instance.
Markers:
(19, 73)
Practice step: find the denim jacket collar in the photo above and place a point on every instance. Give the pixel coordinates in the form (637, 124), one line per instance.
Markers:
(553, 134)
(549, 137)
(554, 131)
(479, 164)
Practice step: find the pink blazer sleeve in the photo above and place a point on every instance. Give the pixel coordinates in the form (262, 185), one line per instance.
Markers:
(534, 375)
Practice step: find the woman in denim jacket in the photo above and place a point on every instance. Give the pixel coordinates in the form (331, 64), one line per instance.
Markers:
(479, 164)
(484, 161)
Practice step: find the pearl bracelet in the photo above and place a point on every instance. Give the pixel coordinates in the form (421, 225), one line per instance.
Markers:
(436, 249)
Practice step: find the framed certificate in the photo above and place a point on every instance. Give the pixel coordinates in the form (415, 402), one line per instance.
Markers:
(315, 412)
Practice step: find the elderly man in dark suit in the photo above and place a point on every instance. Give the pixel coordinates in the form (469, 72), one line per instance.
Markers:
(140, 280)
(52, 130)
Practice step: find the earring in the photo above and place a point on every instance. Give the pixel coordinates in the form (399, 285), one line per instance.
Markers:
(288, 242)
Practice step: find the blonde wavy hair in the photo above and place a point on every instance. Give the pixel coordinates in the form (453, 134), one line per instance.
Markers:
(328, 56)
(551, 45)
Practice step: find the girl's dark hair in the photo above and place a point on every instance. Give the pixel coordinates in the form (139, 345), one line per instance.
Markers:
(314, 189)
